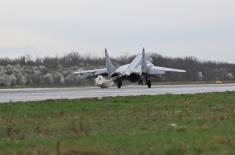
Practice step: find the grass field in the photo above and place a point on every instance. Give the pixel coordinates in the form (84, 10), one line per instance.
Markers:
(164, 124)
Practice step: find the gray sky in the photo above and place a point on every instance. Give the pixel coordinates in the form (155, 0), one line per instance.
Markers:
(201, 28)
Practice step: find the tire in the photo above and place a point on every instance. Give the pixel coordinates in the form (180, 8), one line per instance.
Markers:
(119, 84)
(149, 84)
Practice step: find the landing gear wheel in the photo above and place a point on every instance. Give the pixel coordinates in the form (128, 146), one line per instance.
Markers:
(147, 80)
(119, 84)
(149, 83)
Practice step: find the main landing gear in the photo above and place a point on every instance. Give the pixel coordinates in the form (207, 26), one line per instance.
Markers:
(148, 82)
(119, 84)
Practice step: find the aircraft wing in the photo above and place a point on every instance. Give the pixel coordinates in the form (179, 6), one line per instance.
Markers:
(95, 71)
(162, 70)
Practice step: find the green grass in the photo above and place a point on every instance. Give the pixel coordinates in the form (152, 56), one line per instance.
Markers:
(204, 124)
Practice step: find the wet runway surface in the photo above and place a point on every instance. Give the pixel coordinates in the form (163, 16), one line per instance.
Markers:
(37, 94)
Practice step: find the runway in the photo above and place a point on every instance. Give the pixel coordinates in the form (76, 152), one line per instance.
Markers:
(38, 94)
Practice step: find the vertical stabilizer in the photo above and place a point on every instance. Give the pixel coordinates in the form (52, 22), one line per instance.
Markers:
(143, 52)
(144, 62)
(109, 64)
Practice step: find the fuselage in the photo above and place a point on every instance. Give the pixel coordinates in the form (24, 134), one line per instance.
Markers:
(135, 70)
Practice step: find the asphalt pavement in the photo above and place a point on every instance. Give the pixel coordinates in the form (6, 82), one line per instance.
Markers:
(38, 94)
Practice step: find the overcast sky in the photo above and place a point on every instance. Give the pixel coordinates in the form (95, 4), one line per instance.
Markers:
(201, 28)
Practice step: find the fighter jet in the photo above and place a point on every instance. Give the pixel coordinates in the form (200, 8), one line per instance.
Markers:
(139, 70)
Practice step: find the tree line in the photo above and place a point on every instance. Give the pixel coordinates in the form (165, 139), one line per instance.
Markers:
(58, 71)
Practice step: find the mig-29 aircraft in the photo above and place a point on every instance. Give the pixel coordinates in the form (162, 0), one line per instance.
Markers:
(139, 70)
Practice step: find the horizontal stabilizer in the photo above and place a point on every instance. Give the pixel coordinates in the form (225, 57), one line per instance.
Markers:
(162, 70)
(95, 71)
